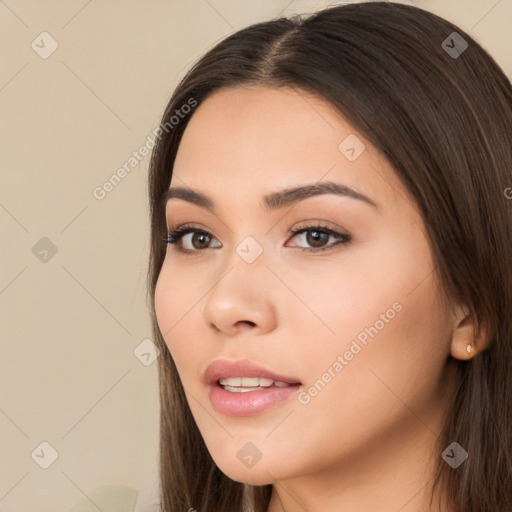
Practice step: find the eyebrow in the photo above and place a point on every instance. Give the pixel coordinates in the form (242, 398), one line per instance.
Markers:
(275, 200)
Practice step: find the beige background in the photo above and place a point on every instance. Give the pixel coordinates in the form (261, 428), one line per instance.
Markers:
(70, 323)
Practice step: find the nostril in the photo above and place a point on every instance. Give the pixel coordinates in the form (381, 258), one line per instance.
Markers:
(252, 324)
(214, 326)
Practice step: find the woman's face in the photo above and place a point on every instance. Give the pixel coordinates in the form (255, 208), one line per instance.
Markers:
(361, 325)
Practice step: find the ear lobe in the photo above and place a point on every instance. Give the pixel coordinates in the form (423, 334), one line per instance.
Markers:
(466, 342)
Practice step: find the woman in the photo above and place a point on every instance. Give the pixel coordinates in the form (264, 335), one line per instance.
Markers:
(330, 271)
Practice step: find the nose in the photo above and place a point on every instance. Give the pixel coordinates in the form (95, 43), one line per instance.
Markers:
(242, 299)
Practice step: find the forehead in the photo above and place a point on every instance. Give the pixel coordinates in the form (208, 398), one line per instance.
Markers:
(252, 140)
(261, 122)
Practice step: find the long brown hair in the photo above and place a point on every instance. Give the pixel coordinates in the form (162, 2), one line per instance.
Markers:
(441, 112)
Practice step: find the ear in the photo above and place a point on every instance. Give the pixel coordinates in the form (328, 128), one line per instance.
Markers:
(465, 342)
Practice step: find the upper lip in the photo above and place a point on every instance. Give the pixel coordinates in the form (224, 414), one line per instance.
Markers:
(224, 369)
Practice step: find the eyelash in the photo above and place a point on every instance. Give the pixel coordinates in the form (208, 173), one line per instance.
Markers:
(175, 236)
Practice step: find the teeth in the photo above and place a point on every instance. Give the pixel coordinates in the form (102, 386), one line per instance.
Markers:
(248, 382)
(243, 384)
(240, 390)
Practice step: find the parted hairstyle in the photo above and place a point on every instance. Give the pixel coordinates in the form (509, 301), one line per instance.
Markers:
(441, 113)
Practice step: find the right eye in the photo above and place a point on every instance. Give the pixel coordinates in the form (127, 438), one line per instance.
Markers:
(198, 240)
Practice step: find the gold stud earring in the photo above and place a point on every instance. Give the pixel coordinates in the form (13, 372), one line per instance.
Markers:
(469, 348)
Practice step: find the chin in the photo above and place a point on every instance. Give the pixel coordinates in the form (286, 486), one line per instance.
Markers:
(241, 468)
(252, 476)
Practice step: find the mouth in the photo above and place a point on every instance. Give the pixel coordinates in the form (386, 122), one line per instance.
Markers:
(241, 388)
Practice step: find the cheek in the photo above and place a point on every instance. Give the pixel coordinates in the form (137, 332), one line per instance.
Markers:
(177, 303)
(165, 303)
(378, 390)
(177, 295)
(355, 294)
(379, 311)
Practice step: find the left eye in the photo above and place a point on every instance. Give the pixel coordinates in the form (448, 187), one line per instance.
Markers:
(315, 236)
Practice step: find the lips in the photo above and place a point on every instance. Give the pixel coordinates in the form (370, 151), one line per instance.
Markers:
(242, 388)
(226, 369)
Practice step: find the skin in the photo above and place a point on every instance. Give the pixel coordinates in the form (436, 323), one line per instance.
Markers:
(364, 442)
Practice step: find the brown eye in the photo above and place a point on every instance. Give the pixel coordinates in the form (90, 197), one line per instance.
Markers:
(318, 236)
(190, 240)
(200, 240)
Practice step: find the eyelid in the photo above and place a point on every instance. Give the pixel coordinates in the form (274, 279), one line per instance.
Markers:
(319, 223)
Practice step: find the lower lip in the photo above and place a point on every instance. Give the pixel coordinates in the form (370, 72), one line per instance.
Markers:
(248, 403)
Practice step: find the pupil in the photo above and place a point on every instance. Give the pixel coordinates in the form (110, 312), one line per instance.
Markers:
(316, 240)
(201, 236)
